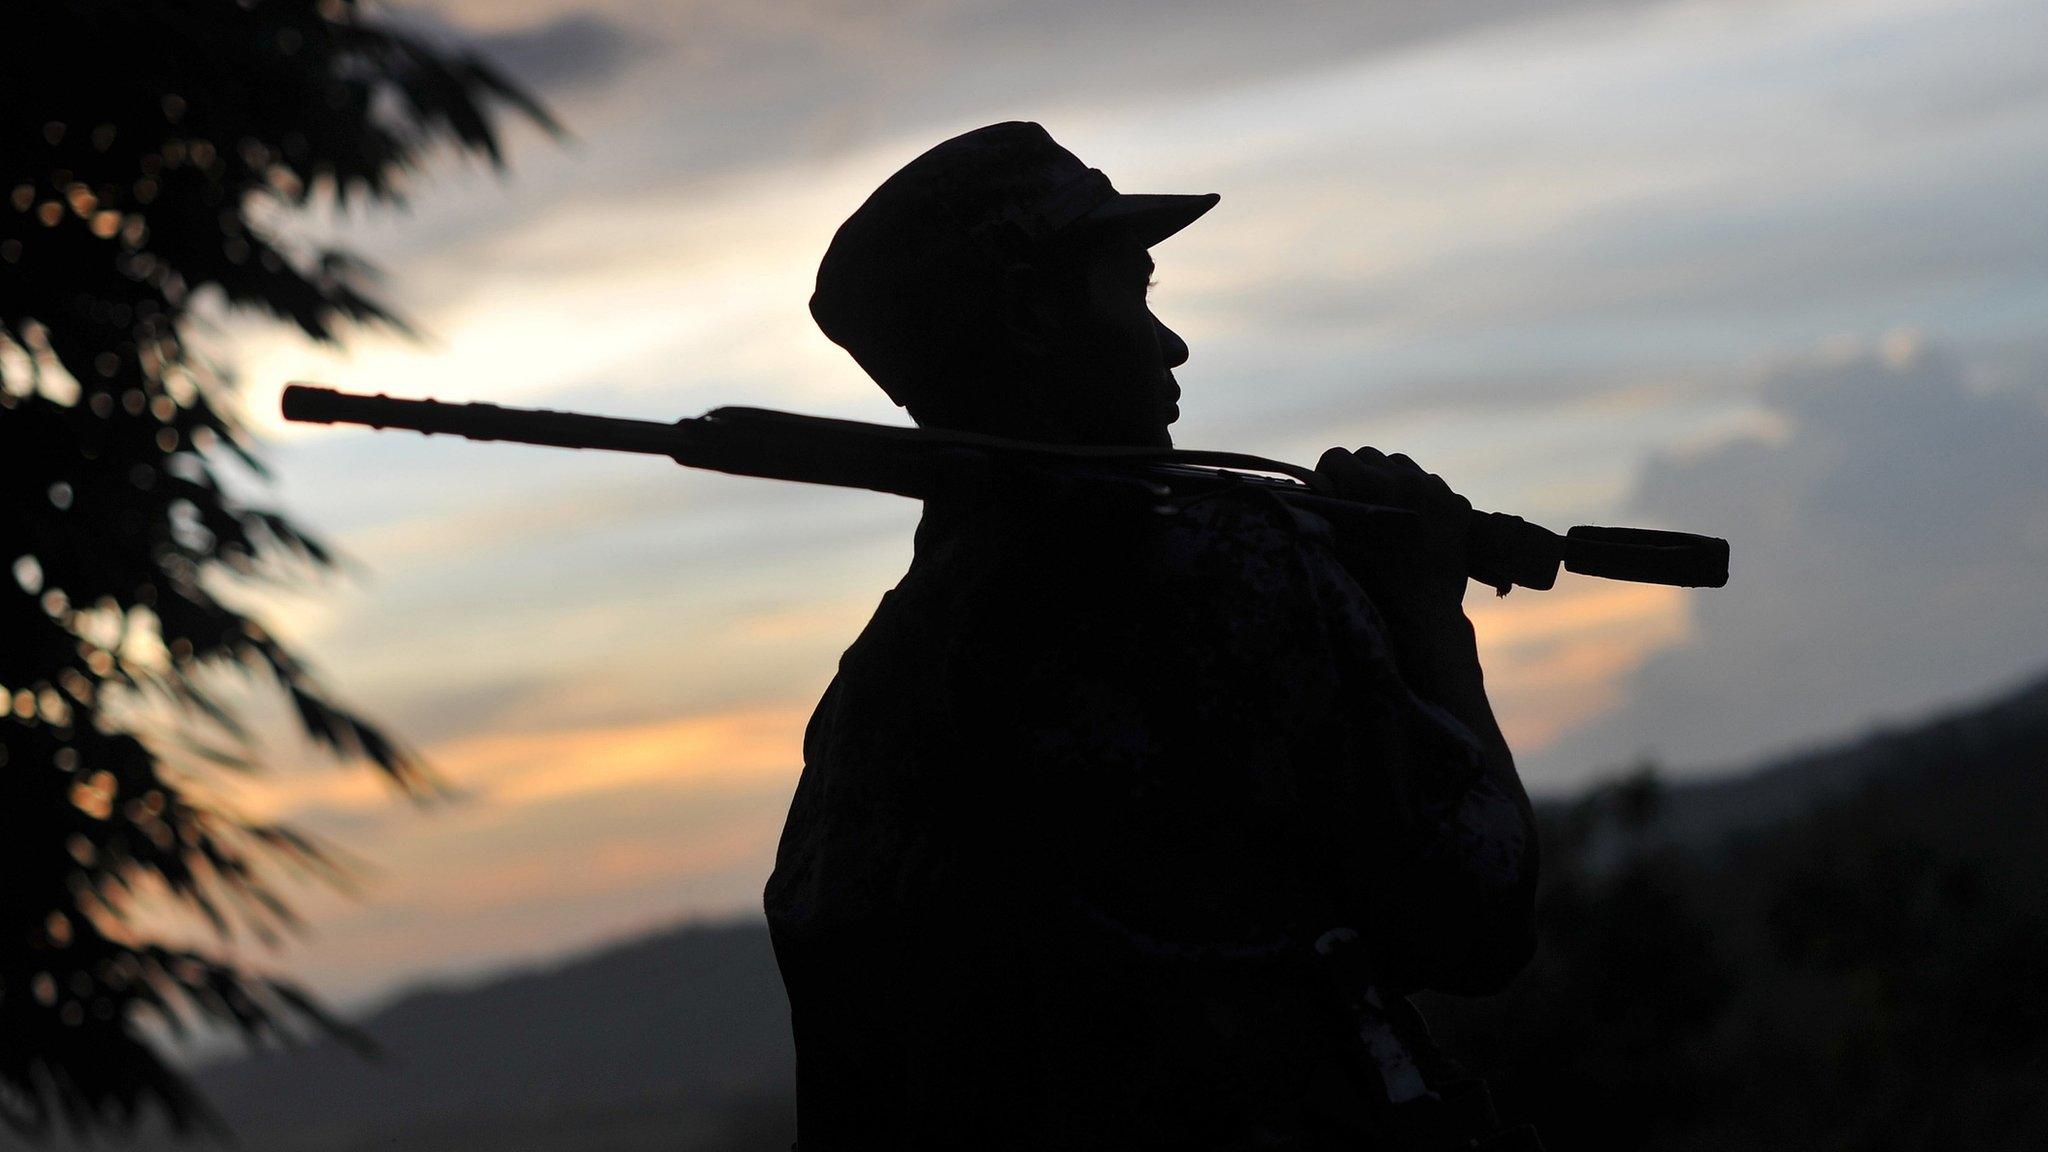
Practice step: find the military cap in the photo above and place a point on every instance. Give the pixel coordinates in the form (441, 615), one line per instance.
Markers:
(909, 273)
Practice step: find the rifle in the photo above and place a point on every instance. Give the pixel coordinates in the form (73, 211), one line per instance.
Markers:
(1505, 551)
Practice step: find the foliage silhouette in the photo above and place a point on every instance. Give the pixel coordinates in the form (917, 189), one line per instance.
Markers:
(1860, 975)
(145, 150)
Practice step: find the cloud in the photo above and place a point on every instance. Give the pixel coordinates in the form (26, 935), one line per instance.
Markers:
(734, 749)
(881, 56)
(734, 86)
(579, 49)
(1558, 659)
(578, 831)
(1888, 541)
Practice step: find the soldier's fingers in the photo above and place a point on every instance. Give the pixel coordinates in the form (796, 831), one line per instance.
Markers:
(1400, 460)
(1359, 476)
(1337, 464)
(1341, 464)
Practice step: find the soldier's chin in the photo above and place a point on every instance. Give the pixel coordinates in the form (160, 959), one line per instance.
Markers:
(1140, 427)
(1152, 433)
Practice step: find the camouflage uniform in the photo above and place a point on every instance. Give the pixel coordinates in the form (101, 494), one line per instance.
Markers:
(1077, 804)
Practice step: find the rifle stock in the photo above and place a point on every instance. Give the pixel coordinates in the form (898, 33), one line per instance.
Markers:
(1507, 551)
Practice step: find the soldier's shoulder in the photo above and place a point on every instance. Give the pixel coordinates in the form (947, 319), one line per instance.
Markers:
(1239, 532)
(1214, 541)
(1251, 519)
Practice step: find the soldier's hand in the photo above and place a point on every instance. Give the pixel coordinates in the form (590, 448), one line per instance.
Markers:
(1429, 571)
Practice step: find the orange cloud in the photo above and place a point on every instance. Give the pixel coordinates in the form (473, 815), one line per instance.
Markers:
(734, 747)
(577, 835)
(602, 869)
(1557, 659)
(717, 751)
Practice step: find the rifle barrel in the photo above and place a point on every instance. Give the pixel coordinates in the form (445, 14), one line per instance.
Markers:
(308, 403)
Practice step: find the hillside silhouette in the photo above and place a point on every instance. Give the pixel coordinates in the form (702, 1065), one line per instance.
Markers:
(1856, 968)
(1837, 949)
(672, 1041)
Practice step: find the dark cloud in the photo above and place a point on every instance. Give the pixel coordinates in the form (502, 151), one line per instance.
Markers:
(575, 50)
(1196, 46)
(433, 715)
(2001, 79)
(742, 81)
(1888, 550)
(1675, 262)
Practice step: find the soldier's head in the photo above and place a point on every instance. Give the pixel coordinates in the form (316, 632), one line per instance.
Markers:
(997, 284)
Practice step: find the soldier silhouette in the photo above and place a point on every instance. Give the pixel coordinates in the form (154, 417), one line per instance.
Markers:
(1120, 830)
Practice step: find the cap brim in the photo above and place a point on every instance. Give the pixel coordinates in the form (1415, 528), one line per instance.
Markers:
(1151, 217)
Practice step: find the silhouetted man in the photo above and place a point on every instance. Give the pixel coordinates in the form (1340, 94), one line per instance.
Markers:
(1094, 781)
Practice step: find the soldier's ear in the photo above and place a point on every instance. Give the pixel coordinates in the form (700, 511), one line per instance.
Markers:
(1031, 320)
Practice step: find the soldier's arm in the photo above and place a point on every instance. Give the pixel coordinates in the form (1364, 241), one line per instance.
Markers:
(1483, 858)
(1476, 889)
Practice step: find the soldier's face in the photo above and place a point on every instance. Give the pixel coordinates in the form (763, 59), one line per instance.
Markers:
(1111, 360)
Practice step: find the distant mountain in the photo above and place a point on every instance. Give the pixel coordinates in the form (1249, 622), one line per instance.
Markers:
(1706, 813)
(680, 1040)
(1843, 950)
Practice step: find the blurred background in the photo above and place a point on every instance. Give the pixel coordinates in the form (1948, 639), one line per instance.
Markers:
(1774, 270)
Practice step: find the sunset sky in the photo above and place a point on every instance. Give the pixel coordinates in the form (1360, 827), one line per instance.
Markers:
(1774, 270)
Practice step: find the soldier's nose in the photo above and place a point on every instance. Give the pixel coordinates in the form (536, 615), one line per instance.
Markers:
(1171, 346)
